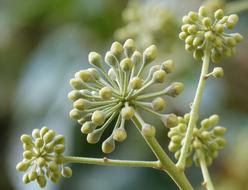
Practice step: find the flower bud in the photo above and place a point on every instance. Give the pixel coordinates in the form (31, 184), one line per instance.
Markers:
(95, 59)
(214, 120)
(41, 162)
(59, 139)
(27, 154)
(193, 16)
(53, 166)
(207, 22)
(174, 89)
(183, 35)
(219, 14)
(67, 172)
(198, 54)
(232, 21)
(98, 117)
(23, 166)
(219, 131)
(170, 120)
(159, 76)
(85, 75)
(238, 37)
(32, 176)
(117, 49)
(105, 93)
(158, 104)
(136, 83)
(108, 145)
(127, 112)
(136, 57)
(26, 139)
(203, 11)
(94, 137)
(75, 114)
(110, 59)
(168, 66)
(59, 149)
(218, 72)
(119, 134)
(76, 84)
(36, 133)
(26, 179)
(111, 74)
(126, 64)
(41, 180)
(88, 127)
(129, 47)
(173, 147)
(150, 54)
(192, 29)
(148, 130)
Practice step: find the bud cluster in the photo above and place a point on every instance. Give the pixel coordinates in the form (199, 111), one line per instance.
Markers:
(208, 138)
(102, 96)
(147, 23)
(43, 157)
(205, 30)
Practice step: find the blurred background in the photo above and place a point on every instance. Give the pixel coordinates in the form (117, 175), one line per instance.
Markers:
(43, 43)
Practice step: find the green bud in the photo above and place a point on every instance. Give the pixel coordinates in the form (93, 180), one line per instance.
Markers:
(108, 145)
(32, 176)
(189, 40)
(67, 172)
(48, 137)
(198, 54)
(158, 104)
(98, 117)
(150, 54)
(74, 95)
(39, 142)
(219, 131)
(136, 83)
(117, 49)
(126, 64)
(59, 139)
(173, 147)
(232, 21)
(26, 139)
(209, 35)
(59, 149)
(198, 41)
(41, 162)
(27, 146)
(182, 127)
(88, 127)
(218, 72)
(53, 166)
(205, 135)
(127, 112)
(205, 123)
(193, 16)
(95, 59)
(231, 42)
(189, 47)
(238, 37)
(176, 139)
(36, 133)
(159, 76)
(177, 154)
(85, 75)
(219, 28)
(185, 27)
(168, 66)
(26, 179)
(214, 120)
(192, 29)
(119, 134)
(216, 56)
(174, 89)
(207, 22)
(129, 47)
(111, 74)
(221, 142)
(41, 180)
(23, 166)
(27, 154)
(197, 144)
(203, 11)
(219, 14)
(49, 147)
(59, 159)
(183, 35)
(81, 104)
(105, 93)
(148, 130)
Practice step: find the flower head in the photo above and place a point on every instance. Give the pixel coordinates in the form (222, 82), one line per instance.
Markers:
(118, 94)
(205, 31)
(43, 157)
(148, 23)
(208, 138)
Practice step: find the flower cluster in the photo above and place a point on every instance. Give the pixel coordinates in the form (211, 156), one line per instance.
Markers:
(118, 94)
(208, 138)
(202, 31)
(148, 23)
(43, 157)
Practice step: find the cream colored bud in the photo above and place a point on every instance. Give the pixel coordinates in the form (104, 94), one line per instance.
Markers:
(214, 120)
(23, 166)
(174, 89)
(98, 117)
(129, 47)
(94, 137)
(108, 145)
(81, 104)
(59, 149)
(117, 49)
(75, 114)
(36, 133)
(110, 59)
(219, 131)
(105, 93)
(119, 134)
(48, 137)
(173, 147)
(207, 22)
(170, 120)
(168, 66)
(219, 14)
(127, 112)
(148, 130)
(111, 74)
(136, 57)
(136, 83)
(27, 139)
(126, 64)
(85, 75)
(203, 11)
(150, 54)
(76, 84)
(88, 127)
(95, 59)
(158, 104)
(67, 172)
(159, 76)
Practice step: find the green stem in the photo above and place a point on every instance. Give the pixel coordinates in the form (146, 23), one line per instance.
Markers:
(194, 110)
(236, 6)
(207, 180)
(165, 162)
(111, 162)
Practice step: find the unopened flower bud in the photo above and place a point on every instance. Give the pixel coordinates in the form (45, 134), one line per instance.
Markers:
(59, 149)
(41, 180)
(36, 133)
(126, 64)
(127, 112)
(108, 145)
(129, 47)
(119, 134)
(136, 83)
(117, 49)
(219, 131)
(214, 120)
(98, 117)
(67, 172)
(26, 139)
(81, 104)
(170, 120)
(88, 127)
(136, 57)
(158, 104)
(203, 11)
(150, 54)
(168, 66)
(219, 14)
(148, 130)
(94, 137)
(174, 89)
(159, 76)
(95, 59)
(105, 93)
(23, 166)
(110, 59)
(218, 72)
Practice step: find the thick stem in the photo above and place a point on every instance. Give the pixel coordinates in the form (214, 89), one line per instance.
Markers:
(194, 110)
(207, 180)
(165, 162)
(111, 162)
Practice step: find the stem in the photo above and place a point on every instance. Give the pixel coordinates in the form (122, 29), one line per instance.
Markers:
(235, 7)
(194, 110)
(207, 180)
(111, 162)
(165, 162)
